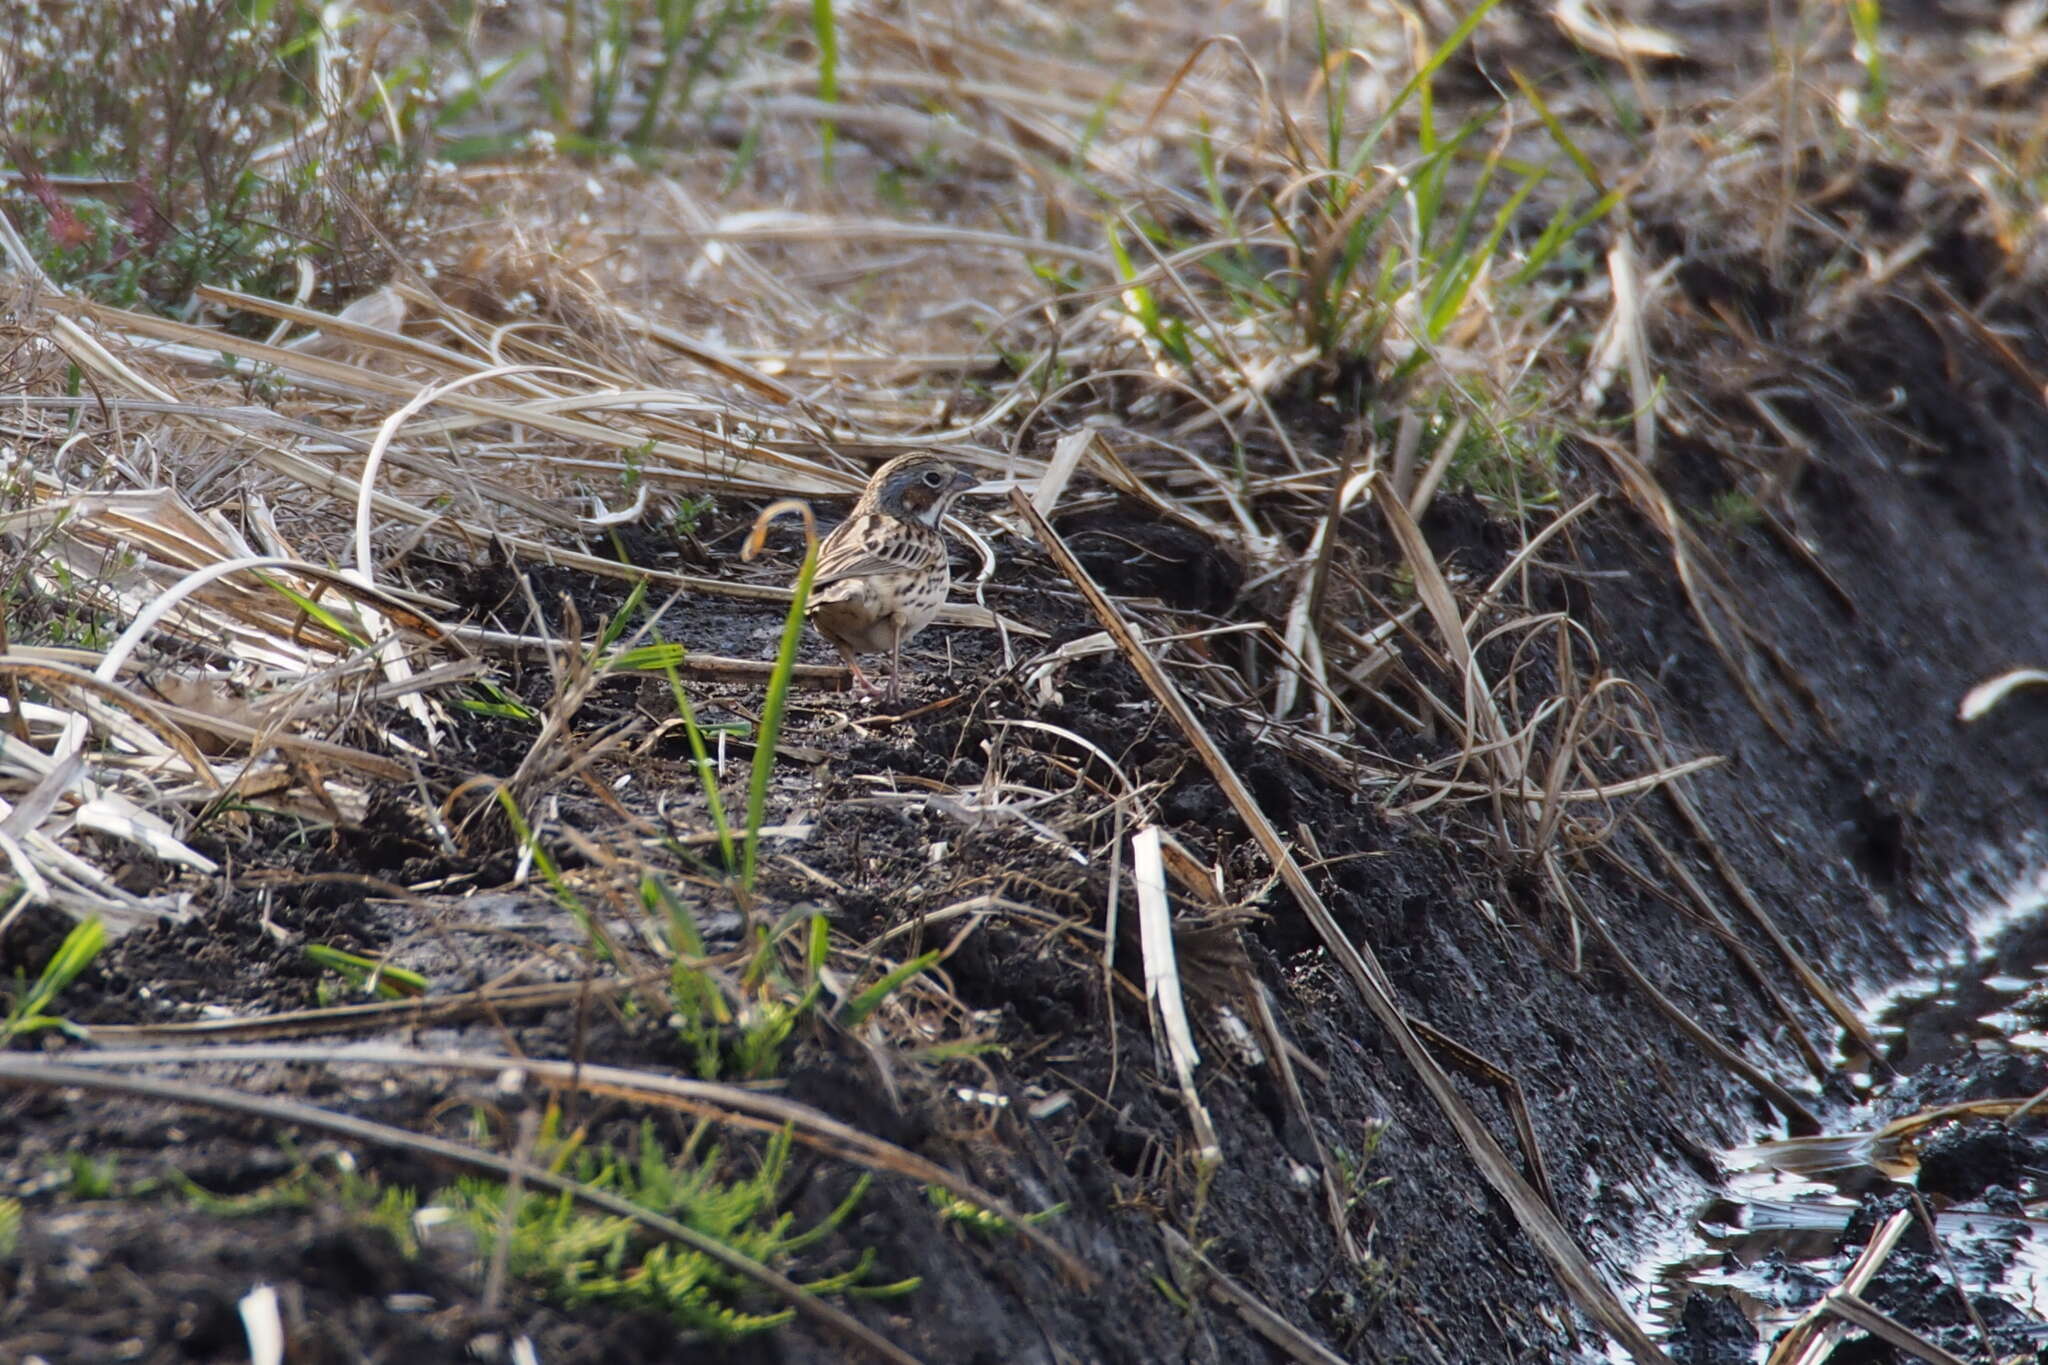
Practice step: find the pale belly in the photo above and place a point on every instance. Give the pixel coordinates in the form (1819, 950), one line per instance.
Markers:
(877, 613)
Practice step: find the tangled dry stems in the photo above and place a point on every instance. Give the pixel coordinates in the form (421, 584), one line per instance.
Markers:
(519, 391)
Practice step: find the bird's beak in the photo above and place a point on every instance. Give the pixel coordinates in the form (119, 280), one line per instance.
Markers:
(965, 482)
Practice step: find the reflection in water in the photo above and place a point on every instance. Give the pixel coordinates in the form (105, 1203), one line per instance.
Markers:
(1772, 1241)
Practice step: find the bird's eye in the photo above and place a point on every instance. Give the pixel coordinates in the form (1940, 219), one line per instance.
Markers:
(933, 478)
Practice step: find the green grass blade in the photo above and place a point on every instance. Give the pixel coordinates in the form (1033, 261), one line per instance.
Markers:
(1557, 132)
(392, 983)
(1866, 20)
(1455, 284)
(771, 717)
(1429, 185)
(647, 659)
(1143, 305)
(319, 613)
(1333, 98)
(868, 1001)
(1445, 50)
(820, 946)
(616, 626)
(69, 962)
(759, 965)
(496, 701)
(677, 19)
(707, 776)
(826, 30)
(30, 1012)
(1562, 228)
(683, 937)
(552, 875)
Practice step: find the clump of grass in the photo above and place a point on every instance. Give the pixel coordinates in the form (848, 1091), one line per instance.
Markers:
(1394, 280)
(162, 146)
(741, 849)
(581, 1257)
(740, 1029)
(578, 1257)
(64, 618)
(689, 513)
(1509, 459)
(745, 1035)
(630, 73)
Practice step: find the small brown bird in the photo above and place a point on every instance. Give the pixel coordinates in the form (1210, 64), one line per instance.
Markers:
(883, 572)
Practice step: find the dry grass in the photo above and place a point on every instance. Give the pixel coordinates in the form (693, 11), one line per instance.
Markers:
(626, 364)
(1245, 284)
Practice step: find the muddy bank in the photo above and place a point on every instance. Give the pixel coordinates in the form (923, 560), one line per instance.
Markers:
(1898, 568)
(1851, 803)
(1851, 540)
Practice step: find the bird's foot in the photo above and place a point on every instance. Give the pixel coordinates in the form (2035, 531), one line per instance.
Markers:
(862, 683)
(895, 687)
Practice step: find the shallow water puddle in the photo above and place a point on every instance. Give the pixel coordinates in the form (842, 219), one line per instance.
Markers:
(1944, 1125)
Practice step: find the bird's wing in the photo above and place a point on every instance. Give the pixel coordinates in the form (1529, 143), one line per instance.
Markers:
(869, 544)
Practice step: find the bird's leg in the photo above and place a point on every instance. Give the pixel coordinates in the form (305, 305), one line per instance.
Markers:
(896, 670)
(860, 679)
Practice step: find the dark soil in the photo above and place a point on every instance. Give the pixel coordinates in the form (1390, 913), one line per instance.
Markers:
(1861, 812)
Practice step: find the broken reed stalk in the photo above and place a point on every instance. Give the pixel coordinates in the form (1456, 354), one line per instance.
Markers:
(1193, 1270)
(1482, 1067)
(1163, 988)
(1830, 1000)
(1798, 1118)
(1710, 913)
(1813, 1338)
(1574, 1271)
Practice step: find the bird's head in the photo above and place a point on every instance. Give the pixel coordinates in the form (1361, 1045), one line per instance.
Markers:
(918, 487)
